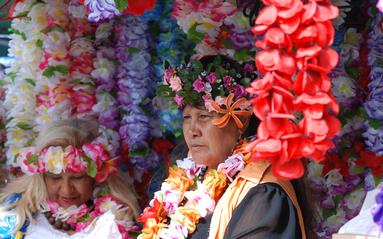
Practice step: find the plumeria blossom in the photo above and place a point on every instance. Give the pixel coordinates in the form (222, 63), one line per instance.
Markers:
(295, 43)
(200, 199)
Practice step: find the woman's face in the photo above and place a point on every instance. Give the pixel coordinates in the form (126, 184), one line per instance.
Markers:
(69, 189)
(207, 143)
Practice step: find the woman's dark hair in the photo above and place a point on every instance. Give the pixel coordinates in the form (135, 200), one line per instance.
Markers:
(303, 192)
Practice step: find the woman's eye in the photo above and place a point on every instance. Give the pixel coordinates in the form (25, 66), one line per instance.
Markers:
(54, 177)
(186, 117)
(78, 177)
(204, 116)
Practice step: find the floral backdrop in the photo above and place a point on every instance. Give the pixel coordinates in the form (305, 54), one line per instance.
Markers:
(103, 60)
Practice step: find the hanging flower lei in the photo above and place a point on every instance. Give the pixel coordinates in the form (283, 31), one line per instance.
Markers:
(213, 26)
(185, 198)
(104, 10)
(296, 115)
(135, 88)
(20, 100)
(80, 217)
(104, 75)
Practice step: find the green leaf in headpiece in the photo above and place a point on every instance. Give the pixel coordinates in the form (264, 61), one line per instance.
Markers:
(121, 5)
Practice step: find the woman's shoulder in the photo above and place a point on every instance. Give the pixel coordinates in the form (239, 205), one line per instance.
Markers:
(265, 206)
(9, 219)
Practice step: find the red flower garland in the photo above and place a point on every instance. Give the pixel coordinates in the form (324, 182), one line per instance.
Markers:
(293, 100)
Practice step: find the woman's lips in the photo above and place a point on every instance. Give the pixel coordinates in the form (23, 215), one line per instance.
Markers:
(68, 200)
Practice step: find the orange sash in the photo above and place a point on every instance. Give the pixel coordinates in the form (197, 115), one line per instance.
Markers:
(254, 174)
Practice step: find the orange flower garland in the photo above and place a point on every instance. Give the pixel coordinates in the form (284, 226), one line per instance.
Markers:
(293, 100)
(183, 199)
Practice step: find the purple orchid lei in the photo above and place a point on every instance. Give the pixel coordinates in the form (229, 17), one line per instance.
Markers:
(374, 105)
(104, 76)
(374, 102)
(135, 89)
(101, 10)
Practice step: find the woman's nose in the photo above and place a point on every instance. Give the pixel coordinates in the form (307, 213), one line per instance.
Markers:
(67, 187)
(195, 129)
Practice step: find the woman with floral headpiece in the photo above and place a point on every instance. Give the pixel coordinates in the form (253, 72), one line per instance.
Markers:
(71, 188)
(218, 191)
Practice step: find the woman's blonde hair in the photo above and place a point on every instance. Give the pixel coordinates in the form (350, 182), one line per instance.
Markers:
(62, 133)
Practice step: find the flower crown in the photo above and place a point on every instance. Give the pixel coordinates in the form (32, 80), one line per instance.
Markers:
(217, 84)
(95, 159)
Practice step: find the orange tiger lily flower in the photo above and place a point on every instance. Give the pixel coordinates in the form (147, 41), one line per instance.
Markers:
(230, 112)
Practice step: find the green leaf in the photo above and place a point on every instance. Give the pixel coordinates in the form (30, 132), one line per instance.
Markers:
(132, 50)
(24, 126)
(164, 91)
(374, 123)
(91, 167)
(51, 70)
(121, 4)
(33, 159)
(39, 43)
(17, 32)
(357, 170)
(328, 213)
(140, 152)
(242, 55)
(30, 81)
(195, 36)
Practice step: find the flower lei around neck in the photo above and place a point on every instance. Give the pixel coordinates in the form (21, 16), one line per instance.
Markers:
(80, 217)
(187, 195)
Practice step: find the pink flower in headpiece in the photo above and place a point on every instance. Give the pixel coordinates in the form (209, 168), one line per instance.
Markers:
(96, 152)
(249, 68)
(75, 162)
(108, 167)
(179, 100)
(168, 73)
(211, 78)
(198, 85)
(175, 83)
(207, 99)
(239, 91)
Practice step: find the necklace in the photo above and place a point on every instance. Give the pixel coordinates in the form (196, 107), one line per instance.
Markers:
(77, 218)
(184, 198)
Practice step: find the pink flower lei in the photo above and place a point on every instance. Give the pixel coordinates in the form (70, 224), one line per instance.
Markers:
(80, 217)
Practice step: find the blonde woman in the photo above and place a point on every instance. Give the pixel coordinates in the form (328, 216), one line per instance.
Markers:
(70, 188)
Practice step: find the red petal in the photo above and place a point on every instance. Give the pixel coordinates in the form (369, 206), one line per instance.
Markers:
(276, 36)
(291, 11)
(325, 12)
(310, 51)
(305, 34)
(283, 3)
(326, 38)
(328, 58)
(271, 146)
(292, 170)
(289, 26)
(309, 11)
(259, 29)
(267, 16)
(334, 126)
